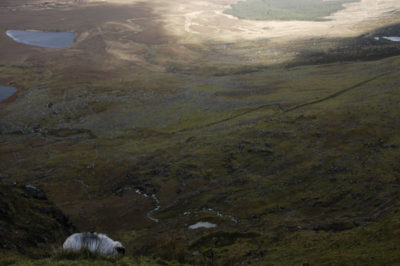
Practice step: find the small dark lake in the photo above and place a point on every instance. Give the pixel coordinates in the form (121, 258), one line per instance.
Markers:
(6, 91)
(392, 38)
(389, 38)
(42, 39)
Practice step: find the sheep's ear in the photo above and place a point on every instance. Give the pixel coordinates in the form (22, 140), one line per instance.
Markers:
(117, 244)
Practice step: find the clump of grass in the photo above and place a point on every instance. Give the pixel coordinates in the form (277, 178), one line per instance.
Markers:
(83, 254)
(81, 258)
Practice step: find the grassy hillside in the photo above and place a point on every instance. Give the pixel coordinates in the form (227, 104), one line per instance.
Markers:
(311, 171)
(294, 164)
(314, 180)
(285, 9)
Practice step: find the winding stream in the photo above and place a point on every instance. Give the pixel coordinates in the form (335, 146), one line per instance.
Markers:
(218, 213)
(149, 214)
(156, 200)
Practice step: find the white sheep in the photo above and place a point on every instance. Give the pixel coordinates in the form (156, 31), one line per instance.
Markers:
(95, 242)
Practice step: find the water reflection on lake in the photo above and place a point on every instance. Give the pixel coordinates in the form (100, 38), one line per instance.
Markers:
(6, 91)
(389, 38)
(42, 39)
(392, 38)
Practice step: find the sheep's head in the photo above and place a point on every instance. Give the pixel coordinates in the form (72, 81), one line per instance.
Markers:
(119, 248)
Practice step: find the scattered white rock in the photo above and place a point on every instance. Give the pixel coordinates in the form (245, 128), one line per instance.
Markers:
(220, 214)
(215, 212)
(202, 225)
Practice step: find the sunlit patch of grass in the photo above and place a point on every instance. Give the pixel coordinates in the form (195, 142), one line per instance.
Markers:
(285, 9)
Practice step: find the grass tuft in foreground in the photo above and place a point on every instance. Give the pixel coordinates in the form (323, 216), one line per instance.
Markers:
(84, 257)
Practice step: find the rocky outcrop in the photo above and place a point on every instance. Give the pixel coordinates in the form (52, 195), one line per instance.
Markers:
(29, 222)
